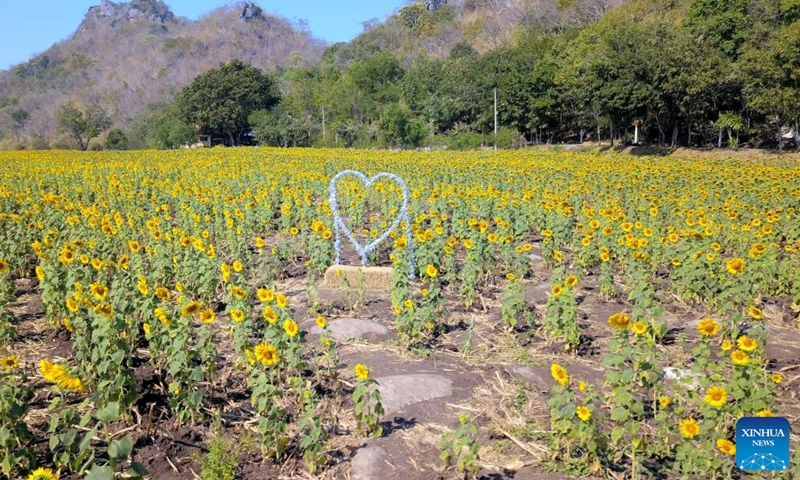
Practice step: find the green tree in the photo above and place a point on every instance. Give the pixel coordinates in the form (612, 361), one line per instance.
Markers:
(116, 140)
(722, 24)
(19, 119)
(771, 72)
(221, 100)
(161, 128)
(732, 122)
(280, 128)
(82, 126)
(398, 128)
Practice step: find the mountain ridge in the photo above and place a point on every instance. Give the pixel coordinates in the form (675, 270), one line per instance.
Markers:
(126, 56)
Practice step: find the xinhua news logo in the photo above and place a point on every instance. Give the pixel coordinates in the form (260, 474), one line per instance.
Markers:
(762, 443)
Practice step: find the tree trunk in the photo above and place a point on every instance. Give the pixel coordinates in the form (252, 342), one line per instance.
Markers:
(611, 122)
(730, 136)
(796, 139)
(674, 136)
(719, 141)
(636, 134)
(231, 138)
(580, 137)
(689, 142)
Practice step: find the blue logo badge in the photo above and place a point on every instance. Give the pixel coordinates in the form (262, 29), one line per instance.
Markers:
(762, 443)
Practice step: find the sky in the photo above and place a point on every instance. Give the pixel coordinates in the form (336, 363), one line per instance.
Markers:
(27, 29)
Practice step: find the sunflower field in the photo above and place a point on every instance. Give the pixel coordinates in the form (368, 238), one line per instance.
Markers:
(180, 290)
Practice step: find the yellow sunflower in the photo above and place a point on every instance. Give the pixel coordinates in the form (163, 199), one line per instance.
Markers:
(266, 353)
(746, 343)
(237, 315)
(9, 362)
(282, 301)
(559, 374)
(583, 413)
(362, 371)
(726, 446)
(265, 295)
(740, 358)
(162, 293)
(735, 265)
(270, 315)
(191, 308)
(620, 321)
(207, 316)
(291, 328)
(238, 292)
(104, 309)
(716, 397)
(42, 474)
(639, 328)
(689, 428)
(431, 271)
(708, 327)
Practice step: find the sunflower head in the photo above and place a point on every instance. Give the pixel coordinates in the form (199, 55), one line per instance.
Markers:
(42, 474)
(559, 374)
(583, 413)
(362, 371)
(689, 428)
(620, 321)
(707, 327)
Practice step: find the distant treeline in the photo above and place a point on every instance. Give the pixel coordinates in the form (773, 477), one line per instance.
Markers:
(693, 73)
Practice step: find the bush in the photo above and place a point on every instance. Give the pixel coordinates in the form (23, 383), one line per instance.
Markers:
(508, 138)
(116, 140)
(466, 141)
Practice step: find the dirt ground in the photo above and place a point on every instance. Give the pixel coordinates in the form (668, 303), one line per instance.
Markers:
(500, 378)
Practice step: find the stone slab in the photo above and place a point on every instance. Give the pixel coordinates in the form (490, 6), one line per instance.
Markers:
(400, 391)
(369, 463)
(342, 329)
(538, 294)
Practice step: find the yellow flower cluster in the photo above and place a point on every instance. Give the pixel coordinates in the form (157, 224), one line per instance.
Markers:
(58, 374)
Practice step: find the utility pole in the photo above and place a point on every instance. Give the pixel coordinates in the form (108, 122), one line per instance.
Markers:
(495, 118)
(324, 131)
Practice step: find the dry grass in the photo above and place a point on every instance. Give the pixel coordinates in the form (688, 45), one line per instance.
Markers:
(350, 277)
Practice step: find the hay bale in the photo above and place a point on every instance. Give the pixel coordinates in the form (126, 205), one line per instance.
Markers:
(369, 278)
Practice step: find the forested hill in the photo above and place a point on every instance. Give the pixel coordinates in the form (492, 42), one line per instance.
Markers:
(674, 72)
(126, 57)
(682, 72)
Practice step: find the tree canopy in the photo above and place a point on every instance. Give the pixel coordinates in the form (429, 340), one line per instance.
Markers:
(220, 101)
(82, 126)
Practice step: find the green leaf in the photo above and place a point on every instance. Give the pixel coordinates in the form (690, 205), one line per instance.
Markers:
(100, 473)
(137, 470)
(123, 448)
(108, 414)
(620, 414)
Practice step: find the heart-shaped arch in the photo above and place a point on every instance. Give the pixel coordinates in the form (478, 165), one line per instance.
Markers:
(340, 227)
